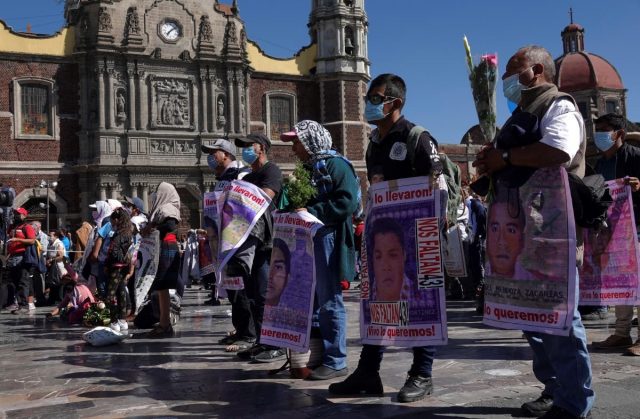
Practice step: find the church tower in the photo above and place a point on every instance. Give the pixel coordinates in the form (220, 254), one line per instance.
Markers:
(339, 28)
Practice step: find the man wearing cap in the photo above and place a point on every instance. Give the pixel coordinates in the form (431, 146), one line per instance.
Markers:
(134, 205)
(255, 253)
(334, 244)
(21, 236)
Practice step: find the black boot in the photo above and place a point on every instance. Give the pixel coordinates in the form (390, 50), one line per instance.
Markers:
(415, 388)
(359, 383)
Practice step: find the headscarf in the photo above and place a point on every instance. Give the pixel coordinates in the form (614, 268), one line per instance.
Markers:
(166, 204)
(103, 210)
(315, 138)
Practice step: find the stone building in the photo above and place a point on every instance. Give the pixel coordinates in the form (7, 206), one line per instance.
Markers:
(124, 95)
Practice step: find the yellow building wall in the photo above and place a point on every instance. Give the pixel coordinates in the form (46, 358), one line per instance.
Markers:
(300, 65)
(58, 45)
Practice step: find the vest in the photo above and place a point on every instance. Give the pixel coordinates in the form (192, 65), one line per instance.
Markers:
(537, 101)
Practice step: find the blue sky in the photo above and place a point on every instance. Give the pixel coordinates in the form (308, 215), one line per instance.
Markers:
(421, 40)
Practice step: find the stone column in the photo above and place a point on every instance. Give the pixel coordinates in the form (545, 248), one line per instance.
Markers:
(101, 96)
(144, 100)
(134, 189)
(204, 123)
(231, 119)
(103, 192)
(114, 190)
(109, 103)
(131, 83)
(145, 196)
(213, 102)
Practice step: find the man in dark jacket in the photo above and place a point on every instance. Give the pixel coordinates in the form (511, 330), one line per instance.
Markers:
(619, 160)
(387, 160)
(334, 249)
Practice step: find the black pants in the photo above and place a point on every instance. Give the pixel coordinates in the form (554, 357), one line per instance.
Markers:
(476, 261)
(241, 317)
(22, 279)
(257, 288)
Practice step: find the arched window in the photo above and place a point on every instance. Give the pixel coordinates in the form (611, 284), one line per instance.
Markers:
(349, 41)
(280, 112)
(34, 109)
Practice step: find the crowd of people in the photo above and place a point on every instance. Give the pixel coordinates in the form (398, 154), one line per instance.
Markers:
(105, 268)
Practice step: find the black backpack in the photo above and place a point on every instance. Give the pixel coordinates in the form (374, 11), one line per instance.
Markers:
(591, 200)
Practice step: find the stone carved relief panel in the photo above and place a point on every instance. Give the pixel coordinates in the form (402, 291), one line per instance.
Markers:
(172, 147)
(171, 103)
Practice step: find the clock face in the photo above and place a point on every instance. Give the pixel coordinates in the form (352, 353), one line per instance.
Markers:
(170, 30)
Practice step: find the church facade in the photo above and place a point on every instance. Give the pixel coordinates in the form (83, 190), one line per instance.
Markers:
(124, 95)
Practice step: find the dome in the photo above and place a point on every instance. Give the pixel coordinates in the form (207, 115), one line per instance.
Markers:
(583, 71)
(573, 27)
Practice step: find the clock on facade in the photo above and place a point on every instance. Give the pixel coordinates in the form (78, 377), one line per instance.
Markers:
(170, 30)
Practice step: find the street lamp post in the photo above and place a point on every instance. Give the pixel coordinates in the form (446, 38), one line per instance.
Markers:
(52, 185)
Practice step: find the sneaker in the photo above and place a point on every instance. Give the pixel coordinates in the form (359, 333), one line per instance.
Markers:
(538, 407)
(634, 349)
(251, 352)
(613, 341)
(556, 412)
(271, 355)
(359, 384)
(326, 373)
(20, 310)
(11, 307)
(115, 326)
(124, 326)
(415, 388)
(32, 306)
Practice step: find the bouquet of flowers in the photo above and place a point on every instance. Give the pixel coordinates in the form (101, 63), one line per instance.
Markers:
(297, 190)
(483, 77)
(98, 314)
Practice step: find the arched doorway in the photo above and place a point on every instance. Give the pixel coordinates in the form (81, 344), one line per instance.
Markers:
(37, 208)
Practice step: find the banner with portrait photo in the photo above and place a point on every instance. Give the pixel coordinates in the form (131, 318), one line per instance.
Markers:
(530, 270)
(402, 299)
(146, 266)
(239, 208)
(292, 282)
(610, 272)
(209, 244)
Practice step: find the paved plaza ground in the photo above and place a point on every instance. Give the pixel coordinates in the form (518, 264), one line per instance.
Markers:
(47, 371)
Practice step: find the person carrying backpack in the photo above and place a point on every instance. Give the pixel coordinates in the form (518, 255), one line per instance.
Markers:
(22, 235)
(395, 152)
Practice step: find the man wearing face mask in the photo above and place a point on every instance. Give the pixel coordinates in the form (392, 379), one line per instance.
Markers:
(387, 159)
(255, 253)
(619, 160)
(545, 130)
(221, 158)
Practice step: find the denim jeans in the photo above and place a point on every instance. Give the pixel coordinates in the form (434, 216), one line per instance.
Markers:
(563, 365)
(371, 358)
(330, 311)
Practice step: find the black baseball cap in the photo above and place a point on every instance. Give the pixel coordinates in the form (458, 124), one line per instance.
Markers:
(254, 138)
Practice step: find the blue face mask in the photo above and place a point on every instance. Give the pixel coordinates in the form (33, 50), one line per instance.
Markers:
(249, 155)
(375, 112)
(212, 162)
(603, 140)
(512, 89)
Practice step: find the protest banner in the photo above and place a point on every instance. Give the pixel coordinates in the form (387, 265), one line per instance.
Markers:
(292, 281)
(239, 208)
(531, 255)
(146, 266)
(402, 287)
(209, 245)
(610, 272)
